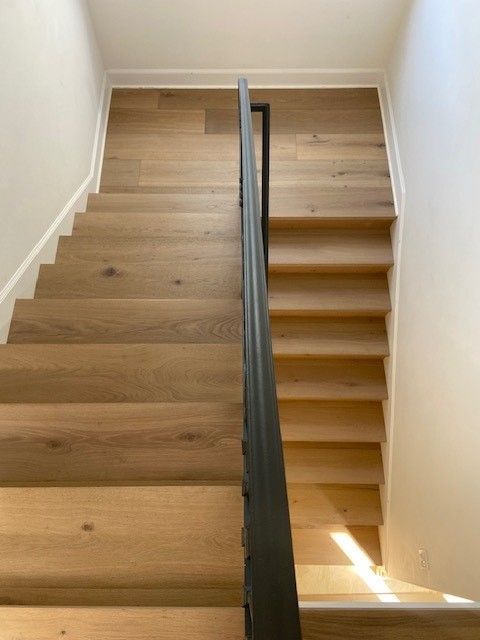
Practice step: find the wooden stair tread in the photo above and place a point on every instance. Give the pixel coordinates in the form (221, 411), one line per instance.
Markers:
(332, 421)
(389, 624)
(212, 278)
(331, 337)
(171, 203)
(313, 463)
(316, 505)
(126, 537)
(162, 226)
(330, 251)
(120, 373)
(332, 295)
(44, 320)
(300, 379)
(317, 547)
(123, 623)
(84, 250)
(120, 443)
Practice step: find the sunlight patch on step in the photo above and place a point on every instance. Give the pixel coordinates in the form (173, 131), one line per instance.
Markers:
(363, 566)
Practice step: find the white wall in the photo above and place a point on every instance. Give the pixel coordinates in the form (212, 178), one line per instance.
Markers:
(244, 34)
(51, 78)
(434, 82)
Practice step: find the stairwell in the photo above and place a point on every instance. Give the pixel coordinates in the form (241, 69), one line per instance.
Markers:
(121, 383)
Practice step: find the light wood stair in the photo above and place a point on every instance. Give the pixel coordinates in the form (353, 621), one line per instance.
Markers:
(120, 431)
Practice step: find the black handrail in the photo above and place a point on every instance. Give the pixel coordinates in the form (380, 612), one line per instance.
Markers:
(271, 603)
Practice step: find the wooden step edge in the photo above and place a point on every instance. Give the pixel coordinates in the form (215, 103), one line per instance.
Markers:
(337, 268)
(331, 222)
(346, 353)
(338, 312)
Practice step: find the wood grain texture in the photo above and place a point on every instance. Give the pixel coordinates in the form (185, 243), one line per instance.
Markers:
(149, 121)
(126, 623)
(151, 145)
(120, 373)
(390, 624)
(294, 120)
(332, 421)
(83, 250)
(329, 337)
(164, 227)
(300, 379)
(298, 206)
(134, 99)
(322, 464)
(316, 546)
(333, 174)
(316, 505)
(221, 596)
(163, 203)
(122, 443)
(332, 251)
(213, 278)
(143, 537)
(125, 321)
(355, 98)
(340, 146)
(203, 174)
(328, 295)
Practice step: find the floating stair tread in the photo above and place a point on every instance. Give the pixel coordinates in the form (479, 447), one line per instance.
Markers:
(389, 624)
(120, 443)
(164, 227)
(212, 278)
(332, 295)
(330, 251)
(171, 203)
(315, 505)
(300, 379)
(123, 623)
(144, 251)
(126, 537)
(325, 337)
(347, 464)
(44, 320)
(316, 546)
(332, 421)
(120, 373)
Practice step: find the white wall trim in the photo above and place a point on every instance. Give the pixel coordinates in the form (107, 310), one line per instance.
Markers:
(22, 282)
(258, 78)
(399, 194)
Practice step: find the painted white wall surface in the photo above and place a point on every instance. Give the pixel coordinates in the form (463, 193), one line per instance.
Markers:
(252, 34)
(434, 503)
(51, 78)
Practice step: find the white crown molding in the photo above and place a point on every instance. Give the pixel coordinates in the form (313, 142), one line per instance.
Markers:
(258, 78)
(22, 282)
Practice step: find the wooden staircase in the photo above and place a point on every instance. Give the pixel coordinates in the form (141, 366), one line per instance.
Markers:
(121, 384)
(121, 423)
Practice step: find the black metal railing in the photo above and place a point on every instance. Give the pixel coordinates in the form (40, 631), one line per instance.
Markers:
(271, 604)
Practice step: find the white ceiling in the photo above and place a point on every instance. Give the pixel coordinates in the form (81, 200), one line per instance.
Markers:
(255, 34)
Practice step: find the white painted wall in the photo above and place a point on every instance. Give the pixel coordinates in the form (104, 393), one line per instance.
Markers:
(250, 34)
(51, 78)
(434, 82)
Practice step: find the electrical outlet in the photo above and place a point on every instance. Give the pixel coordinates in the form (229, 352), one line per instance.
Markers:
(423, 557)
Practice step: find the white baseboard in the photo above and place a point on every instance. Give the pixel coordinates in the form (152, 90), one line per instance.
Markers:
(258, 78)
(23, 281)
(399, 194)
